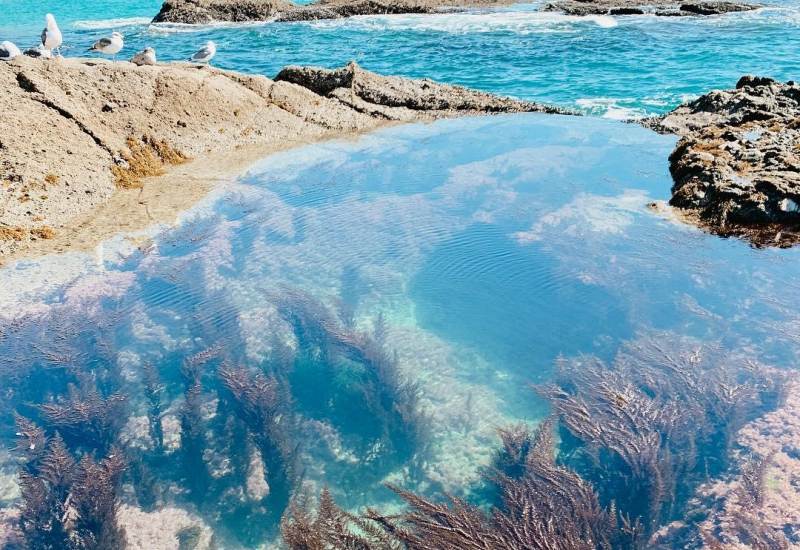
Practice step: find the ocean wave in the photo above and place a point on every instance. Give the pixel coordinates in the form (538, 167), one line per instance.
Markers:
(767, 15)
(519, 22)
(611, 108)
(112, 23)
(175, 28)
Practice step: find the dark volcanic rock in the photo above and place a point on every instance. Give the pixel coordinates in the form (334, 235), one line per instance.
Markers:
(205, 11)
(396, 98)
(737, 164)
(655, 7)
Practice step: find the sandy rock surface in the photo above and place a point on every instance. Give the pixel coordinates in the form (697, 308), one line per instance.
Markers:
(667, 8)
(398, 98)
(206, 11)
(737, 165)
(77, 133)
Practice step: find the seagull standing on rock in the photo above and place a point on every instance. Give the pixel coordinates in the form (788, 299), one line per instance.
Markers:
(51, 35)
(145, 57)
(204, 54)
(109, 45)
(8, 51)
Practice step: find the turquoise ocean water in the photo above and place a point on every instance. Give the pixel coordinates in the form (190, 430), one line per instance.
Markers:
(485, 249)
(639, 65)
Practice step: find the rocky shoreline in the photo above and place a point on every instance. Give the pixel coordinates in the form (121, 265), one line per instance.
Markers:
(76, 134)
(736, 167)
(666, 8)
(207, 11)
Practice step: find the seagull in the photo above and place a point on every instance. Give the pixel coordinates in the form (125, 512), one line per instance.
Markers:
(109, 46)
(8, 51)
(39, 51)
(145, 57)
(204, 54)
(51, 35)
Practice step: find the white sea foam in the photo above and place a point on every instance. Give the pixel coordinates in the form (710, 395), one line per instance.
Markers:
(111, 23)
(175, 28)
(611, 108)
(518, 22)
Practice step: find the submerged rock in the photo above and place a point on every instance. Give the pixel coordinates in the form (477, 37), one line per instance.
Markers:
(206, 11)
(76, 130)
(737, 165)
(669, 8)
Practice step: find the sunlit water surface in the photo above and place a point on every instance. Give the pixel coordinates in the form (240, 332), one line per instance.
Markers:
(489, 246)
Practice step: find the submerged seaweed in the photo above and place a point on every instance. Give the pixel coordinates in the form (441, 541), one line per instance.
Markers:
(261, 404)
(68, 504)
(638, 437)
(648, 429)
(223, 432)
(371, 388)
(543, 506)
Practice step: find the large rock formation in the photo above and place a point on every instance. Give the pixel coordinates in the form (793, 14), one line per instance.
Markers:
(737, 165)
(206, 11)
(668, 8)
(396, 98)
(75, 131)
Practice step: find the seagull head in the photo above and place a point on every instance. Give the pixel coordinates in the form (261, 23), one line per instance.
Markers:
(148, 49)
(51, 21)
(211, 45)
(116, 35)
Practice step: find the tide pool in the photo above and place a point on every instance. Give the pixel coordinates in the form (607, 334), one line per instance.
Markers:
(478, 252)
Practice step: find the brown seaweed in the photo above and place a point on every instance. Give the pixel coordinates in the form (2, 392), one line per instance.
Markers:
(69, 505)
(333, 528)
(85, 418)
(544, 506)
(261, 404)
(386, 399)
(653, 425)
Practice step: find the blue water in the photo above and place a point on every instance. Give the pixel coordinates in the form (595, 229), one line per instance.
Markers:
(487, 249)
(490, 247)
(642, 65)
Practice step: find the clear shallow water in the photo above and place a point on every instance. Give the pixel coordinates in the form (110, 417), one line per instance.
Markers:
(617, 67)
(489, 246)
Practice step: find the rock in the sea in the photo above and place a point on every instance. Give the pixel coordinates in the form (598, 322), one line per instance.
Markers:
(206, 11)
(667, 8)
(73, 132)
(737, 164)
(395, 98)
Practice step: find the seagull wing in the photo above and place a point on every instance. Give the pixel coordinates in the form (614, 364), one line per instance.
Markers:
(44, 36)
(102, 43)
(202, 53)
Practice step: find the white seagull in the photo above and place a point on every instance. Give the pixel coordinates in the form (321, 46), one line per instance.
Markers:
(109, 45)
(145, 57)
(8, 51)
(204, 54)
(51, 35)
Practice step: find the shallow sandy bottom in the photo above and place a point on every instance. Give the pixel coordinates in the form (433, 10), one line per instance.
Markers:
(158, 203)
